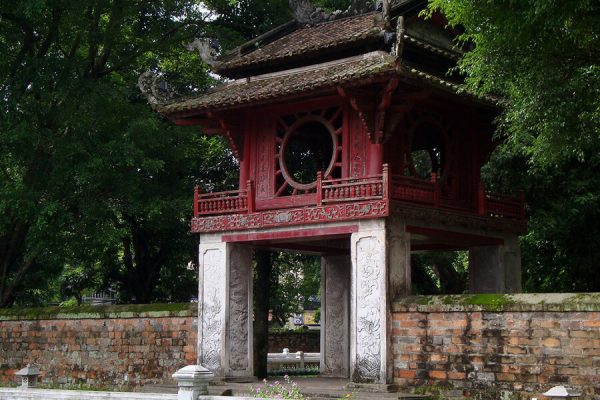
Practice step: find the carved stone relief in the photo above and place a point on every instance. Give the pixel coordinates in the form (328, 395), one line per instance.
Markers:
(212, 308)
(238, 309)
(370, 260)
(295, 216)
(335, 291)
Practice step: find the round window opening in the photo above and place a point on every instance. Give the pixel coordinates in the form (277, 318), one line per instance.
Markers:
(427, 152)
(307, 148)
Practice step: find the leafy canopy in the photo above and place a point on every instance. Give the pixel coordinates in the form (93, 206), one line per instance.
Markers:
(542, 56)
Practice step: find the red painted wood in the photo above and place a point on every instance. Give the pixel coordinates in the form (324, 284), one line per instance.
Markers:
(375, 158)
(295, 216)
(251, 197)
(371, 174)
(291, 234)
(284, 202)
(320, 188)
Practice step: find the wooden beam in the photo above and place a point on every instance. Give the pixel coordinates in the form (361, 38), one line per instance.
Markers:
(232, 131)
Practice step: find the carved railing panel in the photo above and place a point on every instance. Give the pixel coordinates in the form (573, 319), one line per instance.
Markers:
(351, 189)
(235, 201)
(415, 190)
(384, 186)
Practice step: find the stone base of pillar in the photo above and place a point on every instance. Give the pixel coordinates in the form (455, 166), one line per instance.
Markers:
(192, 381)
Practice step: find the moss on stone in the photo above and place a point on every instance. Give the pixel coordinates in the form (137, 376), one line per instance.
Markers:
(494, 300)
(105, 311)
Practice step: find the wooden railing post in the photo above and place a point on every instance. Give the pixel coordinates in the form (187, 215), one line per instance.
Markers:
(386, 181)
(250, 196)
(319, 188)
(437, 190)
(481, 206)
(196, 200)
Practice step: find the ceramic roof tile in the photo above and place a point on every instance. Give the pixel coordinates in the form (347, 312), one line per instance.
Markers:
(292, 82)
(309, 39)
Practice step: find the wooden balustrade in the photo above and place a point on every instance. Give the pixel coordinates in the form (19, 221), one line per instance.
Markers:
(234, 201)
(350, 189)
(415, 190)
(382, 186)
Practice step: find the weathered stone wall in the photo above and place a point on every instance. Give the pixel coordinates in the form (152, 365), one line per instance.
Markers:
(487, 344)
(306, 341)
(99, 346)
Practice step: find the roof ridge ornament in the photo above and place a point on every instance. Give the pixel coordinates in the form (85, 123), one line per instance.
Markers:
(305, 12)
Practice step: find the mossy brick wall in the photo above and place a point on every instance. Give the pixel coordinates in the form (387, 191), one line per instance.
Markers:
(476, 344)
(306, 341)
(102, 346)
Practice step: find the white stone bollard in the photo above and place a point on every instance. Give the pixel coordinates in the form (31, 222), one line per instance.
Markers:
(192, 381)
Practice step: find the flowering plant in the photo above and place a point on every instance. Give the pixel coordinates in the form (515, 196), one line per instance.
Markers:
(277, 390)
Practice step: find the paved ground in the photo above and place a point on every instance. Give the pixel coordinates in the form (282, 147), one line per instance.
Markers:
(311, 387)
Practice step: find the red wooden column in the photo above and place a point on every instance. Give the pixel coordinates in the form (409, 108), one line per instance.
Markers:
(374, 158)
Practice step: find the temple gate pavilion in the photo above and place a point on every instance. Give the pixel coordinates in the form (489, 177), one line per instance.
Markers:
(356, 144)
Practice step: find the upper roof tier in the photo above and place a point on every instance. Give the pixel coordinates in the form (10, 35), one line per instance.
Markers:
(291, 41)
(295, 59)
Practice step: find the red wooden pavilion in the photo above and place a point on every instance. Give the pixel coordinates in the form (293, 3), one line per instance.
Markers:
(355, 143)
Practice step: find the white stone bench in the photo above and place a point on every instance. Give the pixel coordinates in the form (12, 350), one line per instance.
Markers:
(299, 359)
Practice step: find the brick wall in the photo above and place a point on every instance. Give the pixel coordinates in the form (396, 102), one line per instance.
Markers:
(486, 344)
(116, 345)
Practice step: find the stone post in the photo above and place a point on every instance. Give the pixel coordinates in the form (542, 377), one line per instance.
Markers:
(335, 303)
(495, 269)
(224, 308)
(380, 270)
(192, 381)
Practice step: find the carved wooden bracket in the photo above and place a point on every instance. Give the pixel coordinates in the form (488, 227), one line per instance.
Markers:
(372, 109)
(228, 125)
(222, 124)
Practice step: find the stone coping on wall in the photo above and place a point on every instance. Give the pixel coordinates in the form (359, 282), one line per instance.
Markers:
(101, 312)
(525, 302)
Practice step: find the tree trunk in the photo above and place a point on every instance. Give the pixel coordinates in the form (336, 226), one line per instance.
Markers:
(262, 283)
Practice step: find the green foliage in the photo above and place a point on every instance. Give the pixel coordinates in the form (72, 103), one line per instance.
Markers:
(242, 20)
(295, 279)
(542, 58)
(94, 182)
(559, 251)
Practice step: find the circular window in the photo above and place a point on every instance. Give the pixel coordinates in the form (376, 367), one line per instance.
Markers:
(308, 147)
(427, 151)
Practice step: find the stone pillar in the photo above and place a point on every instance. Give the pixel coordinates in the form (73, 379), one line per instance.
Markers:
(335, 317)
(224, 308)
(380, 271)
(496, 269)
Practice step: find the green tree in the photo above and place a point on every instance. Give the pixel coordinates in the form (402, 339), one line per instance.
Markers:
(295, 278)
(89, 173)
(541, 57)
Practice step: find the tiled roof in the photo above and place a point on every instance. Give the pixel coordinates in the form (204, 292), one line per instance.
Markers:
(292, 82)
(412, 73)
(308, 39)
